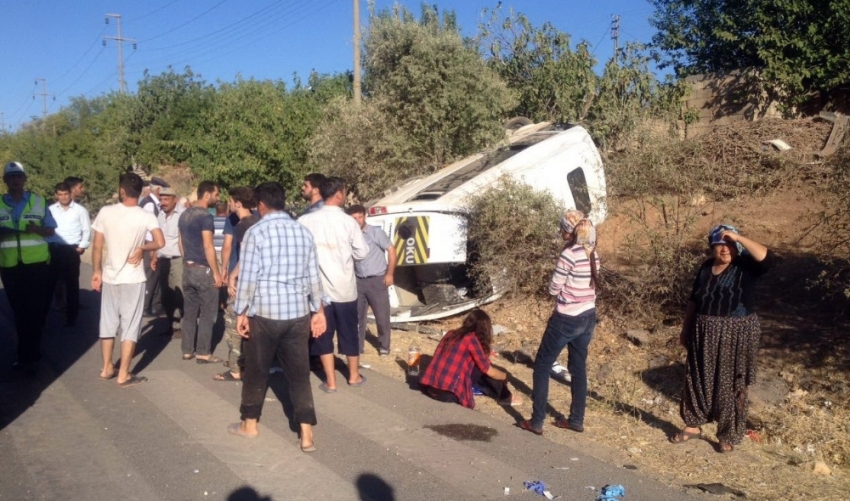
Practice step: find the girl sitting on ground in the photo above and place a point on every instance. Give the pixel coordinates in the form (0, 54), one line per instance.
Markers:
(462, 360)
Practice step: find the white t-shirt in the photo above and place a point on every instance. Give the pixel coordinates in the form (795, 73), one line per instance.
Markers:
(339, 241)
(124, 229)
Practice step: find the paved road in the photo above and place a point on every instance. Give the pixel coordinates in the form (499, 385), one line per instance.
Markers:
(68, 435)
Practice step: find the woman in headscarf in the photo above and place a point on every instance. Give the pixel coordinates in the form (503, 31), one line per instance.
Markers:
(571, 325)
(721, 333)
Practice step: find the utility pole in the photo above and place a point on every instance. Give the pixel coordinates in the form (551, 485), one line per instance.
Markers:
(2, 123)
(121, 85)
(357, 90)
(43, 95)
(615, 34)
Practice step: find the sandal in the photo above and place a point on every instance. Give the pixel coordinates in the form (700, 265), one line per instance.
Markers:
(308, 448)
(526, 425)
(134, 380)
(226, 376)
(561, 422)
(236, 429)
(683, 436)
(724, 447)
(211, 360)
(188, 356)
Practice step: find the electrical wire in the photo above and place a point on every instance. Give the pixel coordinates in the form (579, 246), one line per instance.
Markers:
(94, 42)
(169, 4)
(172, 30)
(81, 74)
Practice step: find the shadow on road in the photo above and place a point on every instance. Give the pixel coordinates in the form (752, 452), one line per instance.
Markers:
(247, 494)
(371, 487)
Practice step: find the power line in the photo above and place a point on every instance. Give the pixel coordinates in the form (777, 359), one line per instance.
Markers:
(83, 73)
(187, 22)
(169, 4)
(94, 42)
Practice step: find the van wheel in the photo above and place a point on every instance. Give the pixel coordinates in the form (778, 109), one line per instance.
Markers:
(516, 123)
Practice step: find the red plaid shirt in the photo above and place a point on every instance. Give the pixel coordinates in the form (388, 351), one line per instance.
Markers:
(451, 367)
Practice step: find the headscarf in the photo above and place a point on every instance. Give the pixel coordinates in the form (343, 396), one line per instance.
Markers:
(576, 223)
(714, 237)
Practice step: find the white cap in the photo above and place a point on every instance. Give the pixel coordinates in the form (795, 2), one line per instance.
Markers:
(13, 168)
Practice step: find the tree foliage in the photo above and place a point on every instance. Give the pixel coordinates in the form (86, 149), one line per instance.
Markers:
(797, 46)
(429, 99)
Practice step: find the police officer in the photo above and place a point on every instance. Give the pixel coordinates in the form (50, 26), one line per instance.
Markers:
(24, 257)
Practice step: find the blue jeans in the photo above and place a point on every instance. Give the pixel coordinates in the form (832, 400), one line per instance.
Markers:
(574, 333)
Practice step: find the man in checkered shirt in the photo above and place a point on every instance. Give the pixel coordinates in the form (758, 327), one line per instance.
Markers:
(279, 303)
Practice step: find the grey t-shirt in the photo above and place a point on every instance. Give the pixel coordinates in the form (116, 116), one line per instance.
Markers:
(375, 263)
(192, 222)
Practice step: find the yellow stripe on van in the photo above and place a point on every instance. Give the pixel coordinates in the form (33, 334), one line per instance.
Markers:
(411, 240)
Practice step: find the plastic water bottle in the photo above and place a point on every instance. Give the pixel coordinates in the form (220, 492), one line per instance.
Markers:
(413, 360)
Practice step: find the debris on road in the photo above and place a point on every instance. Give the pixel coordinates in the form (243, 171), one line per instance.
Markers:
(612, 493)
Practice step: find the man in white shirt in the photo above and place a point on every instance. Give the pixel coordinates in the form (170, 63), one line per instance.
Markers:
(72, 238)
(122, 228)
(339, 241)
(167, 262)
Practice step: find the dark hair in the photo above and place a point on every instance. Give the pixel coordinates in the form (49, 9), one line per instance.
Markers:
(63, 186)
(330, 186)
(356, 209)
(73, 181)
(221, 208)
(477, 322)
(132, 184)
(244, 195)
(206, 187)
(315, 179)
(271, 194)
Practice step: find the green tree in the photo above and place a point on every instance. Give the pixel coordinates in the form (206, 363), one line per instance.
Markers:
(553, 81)
(797, 46)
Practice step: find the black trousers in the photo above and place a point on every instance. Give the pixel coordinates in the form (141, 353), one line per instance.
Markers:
(286, 340)
(489, 386)
(65, 267)
(28, 292)
(152, 292)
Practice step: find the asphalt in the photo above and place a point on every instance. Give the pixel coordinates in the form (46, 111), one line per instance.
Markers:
(69, 435)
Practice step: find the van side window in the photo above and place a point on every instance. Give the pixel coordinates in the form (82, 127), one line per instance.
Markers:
(578, 187)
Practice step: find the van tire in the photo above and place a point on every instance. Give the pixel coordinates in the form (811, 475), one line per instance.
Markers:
(516, 123)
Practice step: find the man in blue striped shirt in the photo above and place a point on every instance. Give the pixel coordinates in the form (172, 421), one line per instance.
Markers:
(279, 303)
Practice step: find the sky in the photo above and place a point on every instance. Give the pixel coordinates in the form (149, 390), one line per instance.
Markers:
(62, 41)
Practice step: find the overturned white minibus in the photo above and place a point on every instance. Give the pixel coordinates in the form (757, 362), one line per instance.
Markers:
(424, 217)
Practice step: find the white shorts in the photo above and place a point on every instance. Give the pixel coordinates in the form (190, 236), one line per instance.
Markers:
(121, 307)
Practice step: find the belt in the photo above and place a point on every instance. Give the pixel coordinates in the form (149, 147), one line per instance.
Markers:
(170, 257)
(57, 244)
(372, 276)
(193, 264)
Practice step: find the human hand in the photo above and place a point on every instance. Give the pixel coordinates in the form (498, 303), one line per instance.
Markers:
(730, 236)
(154, 263)
(242, 326)
(135, 257)
(318, 324)
(80, 251)
(218, 280)
(388, 280)
(96, 281)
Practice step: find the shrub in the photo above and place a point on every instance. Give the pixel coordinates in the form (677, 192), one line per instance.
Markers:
(513, 237)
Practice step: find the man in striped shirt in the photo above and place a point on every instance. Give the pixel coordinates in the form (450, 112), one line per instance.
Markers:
(279, 306)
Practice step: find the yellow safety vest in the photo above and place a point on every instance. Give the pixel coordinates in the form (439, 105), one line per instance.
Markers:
(26, 248)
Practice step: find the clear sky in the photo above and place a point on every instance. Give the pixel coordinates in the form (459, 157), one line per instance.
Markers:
(61, 41)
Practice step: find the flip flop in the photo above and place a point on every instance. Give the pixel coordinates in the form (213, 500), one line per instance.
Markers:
(359, 383)
(309, 448)
(526, 425)
(683, 436)
(560, 422)
(724, 448)
(226, 376)
(108, 377)
(235, 429)
(212, 360)
(134, 380)
(188, 356)
(325, 388)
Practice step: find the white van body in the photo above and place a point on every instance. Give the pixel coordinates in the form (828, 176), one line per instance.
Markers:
(425, 220)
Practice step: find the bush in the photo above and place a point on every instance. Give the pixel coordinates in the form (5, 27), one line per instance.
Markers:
(513, 238)
(831, 232)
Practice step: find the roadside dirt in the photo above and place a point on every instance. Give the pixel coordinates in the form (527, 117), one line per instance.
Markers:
(799, 447)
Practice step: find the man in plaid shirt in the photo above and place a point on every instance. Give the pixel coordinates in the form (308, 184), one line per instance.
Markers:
(279, 303)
